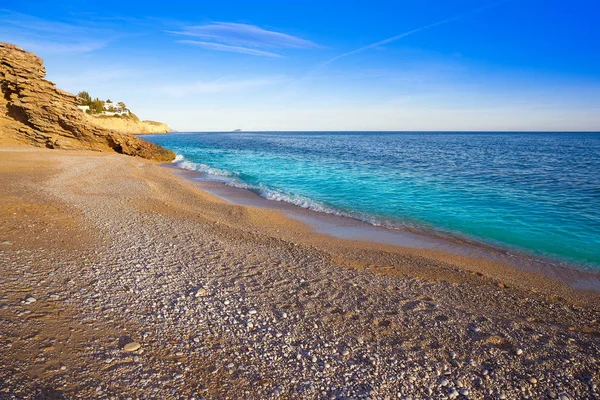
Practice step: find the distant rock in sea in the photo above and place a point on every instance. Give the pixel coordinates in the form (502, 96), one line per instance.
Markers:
(34, 111)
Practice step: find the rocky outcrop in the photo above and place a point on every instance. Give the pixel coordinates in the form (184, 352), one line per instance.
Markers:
(129, 124)
(35, 112)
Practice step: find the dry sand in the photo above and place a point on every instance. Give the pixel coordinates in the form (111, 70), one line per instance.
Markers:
(98, 251)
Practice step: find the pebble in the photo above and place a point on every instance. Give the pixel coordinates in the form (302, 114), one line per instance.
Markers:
(133, 346)
(201, 292)
(519, 352)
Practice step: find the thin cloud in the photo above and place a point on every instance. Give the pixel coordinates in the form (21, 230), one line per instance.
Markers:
(405, 34)
(50, 37)
(241, 38)
(228, 48)
(222, 85)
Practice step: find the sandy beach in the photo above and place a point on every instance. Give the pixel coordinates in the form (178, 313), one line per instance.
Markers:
(121, 279)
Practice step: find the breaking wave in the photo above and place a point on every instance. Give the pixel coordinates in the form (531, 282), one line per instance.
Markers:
(182, 162)
(233, 179)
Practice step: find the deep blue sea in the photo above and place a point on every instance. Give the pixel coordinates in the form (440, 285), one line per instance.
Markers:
(534, 192)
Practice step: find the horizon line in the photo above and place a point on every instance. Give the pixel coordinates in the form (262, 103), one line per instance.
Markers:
(386, 131)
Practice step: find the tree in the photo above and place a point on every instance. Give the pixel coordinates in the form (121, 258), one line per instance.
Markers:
(109, 101)
(122, 105)
(96, 106)
(84, 98)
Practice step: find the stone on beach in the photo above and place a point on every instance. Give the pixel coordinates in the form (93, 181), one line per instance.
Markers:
(132, 346)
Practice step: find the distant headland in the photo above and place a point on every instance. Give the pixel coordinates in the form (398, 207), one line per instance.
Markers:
(116, 116)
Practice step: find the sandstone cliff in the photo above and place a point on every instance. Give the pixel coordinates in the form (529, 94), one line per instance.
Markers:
(34, 111)
(129, 124)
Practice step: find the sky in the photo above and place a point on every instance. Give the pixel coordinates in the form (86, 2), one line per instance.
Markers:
(505, 65)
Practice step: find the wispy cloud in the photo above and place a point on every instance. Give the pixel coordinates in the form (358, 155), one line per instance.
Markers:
(229, 48)
(222, 85)
(241, 38)
(51, 37)
(409, 33)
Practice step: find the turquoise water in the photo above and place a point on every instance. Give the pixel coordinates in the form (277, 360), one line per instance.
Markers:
(537, 192)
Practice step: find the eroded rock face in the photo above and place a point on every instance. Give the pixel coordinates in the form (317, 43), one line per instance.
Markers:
(35, 112)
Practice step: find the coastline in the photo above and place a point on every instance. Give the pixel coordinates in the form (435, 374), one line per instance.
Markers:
(491, 259)
(529, 213)
(119, 249)
(129, 125)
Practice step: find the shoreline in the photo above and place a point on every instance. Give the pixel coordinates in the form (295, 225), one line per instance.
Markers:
(517, 216)
(352, 229)
(220, 300)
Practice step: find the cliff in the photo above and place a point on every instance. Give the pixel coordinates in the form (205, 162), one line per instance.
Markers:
(129, 124)
(34, 111)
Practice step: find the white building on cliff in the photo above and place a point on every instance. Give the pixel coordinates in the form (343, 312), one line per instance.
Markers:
(111, 108)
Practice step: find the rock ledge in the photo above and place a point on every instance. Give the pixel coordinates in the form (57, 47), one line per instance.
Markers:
(34, 111)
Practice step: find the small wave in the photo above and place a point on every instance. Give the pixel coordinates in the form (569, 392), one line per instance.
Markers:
(300, 201)
(182, 162)
(232, 179)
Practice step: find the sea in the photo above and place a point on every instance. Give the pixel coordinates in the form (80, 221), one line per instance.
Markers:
(534, 193)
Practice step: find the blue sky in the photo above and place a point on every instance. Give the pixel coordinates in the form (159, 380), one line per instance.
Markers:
(319, 65)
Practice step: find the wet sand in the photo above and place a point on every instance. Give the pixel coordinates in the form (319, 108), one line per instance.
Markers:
(234, 301)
